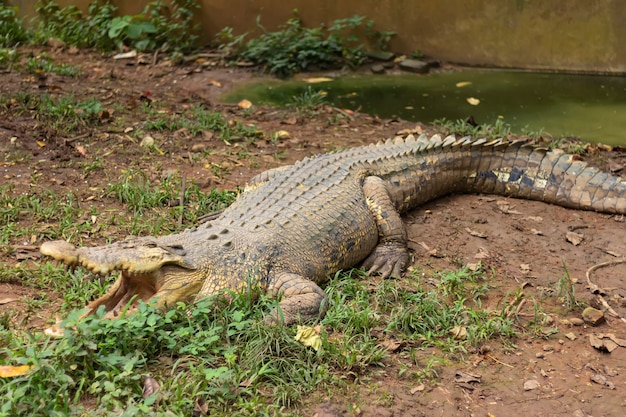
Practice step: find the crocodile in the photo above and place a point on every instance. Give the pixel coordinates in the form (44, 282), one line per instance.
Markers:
(294, 226)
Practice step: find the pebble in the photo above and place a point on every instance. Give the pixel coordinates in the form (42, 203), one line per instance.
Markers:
(531, 384)
(377, 69)
(576, 321)
(415, 65)
(593, 316)
(570, 336)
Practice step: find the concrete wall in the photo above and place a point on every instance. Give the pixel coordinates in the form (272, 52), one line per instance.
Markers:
(576, 35)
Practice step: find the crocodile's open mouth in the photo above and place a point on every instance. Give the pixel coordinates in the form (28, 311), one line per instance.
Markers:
(125, 293)
(141, 278)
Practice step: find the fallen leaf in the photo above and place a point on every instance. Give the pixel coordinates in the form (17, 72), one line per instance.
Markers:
(473, 101)
(314, 80)
(215, 83)
(81, 150)
(475, 233)
(12, 371)
(463, 84)
(282, 134)
(126, 55)
(419, 388)
(200, 407)
(309, 336)
(245, 104)
(466, 377)
(55, 330)
(392, 345)
(8, 300)
(150, 387)
(290, 121)
(574, 238)
(41, 143)
(459, 332)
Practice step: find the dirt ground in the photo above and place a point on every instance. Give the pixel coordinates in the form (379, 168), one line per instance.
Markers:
(524, 242)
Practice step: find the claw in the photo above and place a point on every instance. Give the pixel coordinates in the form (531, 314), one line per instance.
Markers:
(387, 260)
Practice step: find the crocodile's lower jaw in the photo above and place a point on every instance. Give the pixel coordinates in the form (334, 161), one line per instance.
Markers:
(125, 293)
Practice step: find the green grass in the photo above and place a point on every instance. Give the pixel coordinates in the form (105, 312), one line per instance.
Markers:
(63, 115)
(218, 352)
(196, 120)
(499, 129)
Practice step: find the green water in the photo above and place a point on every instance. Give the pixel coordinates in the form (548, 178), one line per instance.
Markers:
(590, 107)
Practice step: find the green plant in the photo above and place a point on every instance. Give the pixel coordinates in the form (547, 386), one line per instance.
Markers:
(295, 48)
(565, 290)
(308, 101)
(71, 26)
(12, 31)
(132, 31)
(168, 27)
(8, 58)
(499, 129)
(43, 64)
(198, 119)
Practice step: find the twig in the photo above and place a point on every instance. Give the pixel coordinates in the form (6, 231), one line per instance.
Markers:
(596, 289)
(499, 361)
(181, 200)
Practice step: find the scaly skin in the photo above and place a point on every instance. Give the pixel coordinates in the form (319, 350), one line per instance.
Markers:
(297, 225)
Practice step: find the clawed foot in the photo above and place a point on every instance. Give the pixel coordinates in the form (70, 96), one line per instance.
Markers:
(388, 259)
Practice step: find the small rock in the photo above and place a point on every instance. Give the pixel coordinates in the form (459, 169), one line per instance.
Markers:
(576, 321)
(593, 316)
(531, 384)
(380, 55)
(147, 142)
(570, 336)
(377, 69)
(415, 65)
(579, 413)
(601, 379)
(540, 355)
(198, 147)
(548, 348)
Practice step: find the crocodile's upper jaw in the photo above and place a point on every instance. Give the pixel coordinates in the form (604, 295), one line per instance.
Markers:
(159, 276)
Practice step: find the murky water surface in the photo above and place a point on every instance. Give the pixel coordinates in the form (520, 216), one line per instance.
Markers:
(587, 106)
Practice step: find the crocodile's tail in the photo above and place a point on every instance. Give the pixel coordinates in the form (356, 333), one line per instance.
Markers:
(521, 170)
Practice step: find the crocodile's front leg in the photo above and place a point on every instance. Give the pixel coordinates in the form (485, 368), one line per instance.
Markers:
(391, 256)
(302, 299)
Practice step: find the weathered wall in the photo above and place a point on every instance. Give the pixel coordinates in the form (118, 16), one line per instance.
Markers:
(579, 35)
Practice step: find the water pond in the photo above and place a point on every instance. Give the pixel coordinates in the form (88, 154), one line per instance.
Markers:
(590, 107)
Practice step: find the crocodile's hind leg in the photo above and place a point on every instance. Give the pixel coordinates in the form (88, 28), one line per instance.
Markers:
(302, 299)
(391, 256)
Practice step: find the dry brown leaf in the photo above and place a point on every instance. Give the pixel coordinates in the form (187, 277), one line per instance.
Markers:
(8, 300)
(150, 387)
(473, 101)
(475, 233)
(41, 143)
(215, 83)
(574, 238)
(459, 332)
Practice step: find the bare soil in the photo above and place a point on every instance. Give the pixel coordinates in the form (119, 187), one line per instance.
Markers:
(524, 242)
